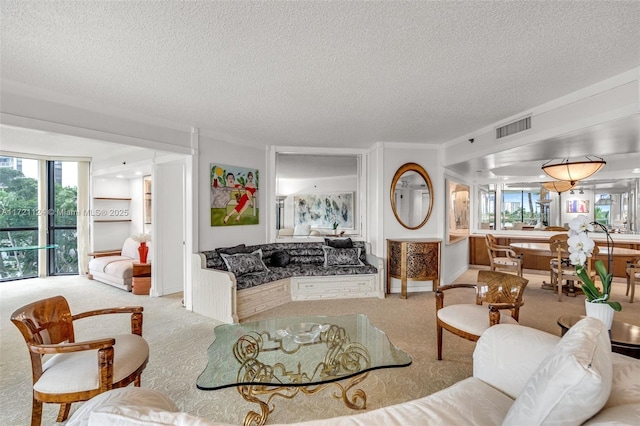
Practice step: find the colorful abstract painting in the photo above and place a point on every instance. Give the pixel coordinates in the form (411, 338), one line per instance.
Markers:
(323, 210)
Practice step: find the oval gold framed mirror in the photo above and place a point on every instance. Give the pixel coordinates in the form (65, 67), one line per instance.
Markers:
(411, 195)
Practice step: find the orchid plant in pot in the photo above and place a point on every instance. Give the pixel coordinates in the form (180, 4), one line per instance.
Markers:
(580, 248)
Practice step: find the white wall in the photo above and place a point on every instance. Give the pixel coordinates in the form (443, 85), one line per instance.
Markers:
(219, 152)
(392, 156)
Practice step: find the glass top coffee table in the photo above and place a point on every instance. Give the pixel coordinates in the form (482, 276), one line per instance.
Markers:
(285, 356)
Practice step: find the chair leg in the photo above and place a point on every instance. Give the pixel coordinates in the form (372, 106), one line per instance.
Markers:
(36, 412)
(137, 381)
(633, 291)
(439, 338)
(559, 285)
(64, 412)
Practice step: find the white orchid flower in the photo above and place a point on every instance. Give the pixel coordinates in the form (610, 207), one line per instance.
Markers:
(580, 224)
(578, 258)
(581, 243)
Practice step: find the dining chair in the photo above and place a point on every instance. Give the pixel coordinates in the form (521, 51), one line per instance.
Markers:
(76, 371)
(502, 257)
(501, 292)
(560, 267)
(633, 278)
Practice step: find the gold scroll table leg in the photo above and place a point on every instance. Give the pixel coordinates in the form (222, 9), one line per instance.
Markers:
(356, 401)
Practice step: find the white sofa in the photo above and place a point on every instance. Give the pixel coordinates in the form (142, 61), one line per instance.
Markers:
(521, 376)
(116, 268)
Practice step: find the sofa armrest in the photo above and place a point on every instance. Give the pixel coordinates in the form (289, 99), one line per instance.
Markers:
(97, 254)
(214, 291)
(379, 264)
(506, 356)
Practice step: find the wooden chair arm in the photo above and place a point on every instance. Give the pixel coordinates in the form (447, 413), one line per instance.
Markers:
(135, 311)
(61, 348)
(511, 254)
(450, 286)
(499, 306)
(442, 288)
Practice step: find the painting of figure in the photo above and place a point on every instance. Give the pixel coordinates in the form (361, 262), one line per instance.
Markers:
(234, 195)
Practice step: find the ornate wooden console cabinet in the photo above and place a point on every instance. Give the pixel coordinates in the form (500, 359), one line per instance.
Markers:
(413, 259)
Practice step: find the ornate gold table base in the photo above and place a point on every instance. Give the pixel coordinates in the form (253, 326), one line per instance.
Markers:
(343, 359)
(251, 393)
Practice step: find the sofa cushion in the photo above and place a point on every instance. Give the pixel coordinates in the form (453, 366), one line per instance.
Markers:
(484, 406)
(620, 415)
(135, 415)
(244, 263)
(341, 256)
(142, 397)
(101, 264)
(339, 242)
(626, 381)
(280, 258)
(572, 383)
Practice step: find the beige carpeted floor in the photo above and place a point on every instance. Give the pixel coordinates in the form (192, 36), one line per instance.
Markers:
(179, 340)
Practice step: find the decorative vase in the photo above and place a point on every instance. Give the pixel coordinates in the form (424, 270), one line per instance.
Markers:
(602, 311)
(143, 250)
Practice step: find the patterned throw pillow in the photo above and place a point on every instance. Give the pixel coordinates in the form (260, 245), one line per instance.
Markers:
(341, 256)
(244, 263)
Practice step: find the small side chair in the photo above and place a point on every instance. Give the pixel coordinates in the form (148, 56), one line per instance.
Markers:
(502, 257)
(499, 290)
(77, 371)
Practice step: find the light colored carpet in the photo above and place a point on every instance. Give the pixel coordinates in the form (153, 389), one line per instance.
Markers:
(179, 340)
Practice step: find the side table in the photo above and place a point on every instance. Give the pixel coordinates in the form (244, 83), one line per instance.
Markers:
(413, 259)
(141, 278)
(625, 338)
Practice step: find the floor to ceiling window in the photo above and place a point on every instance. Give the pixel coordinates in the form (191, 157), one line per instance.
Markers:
(62, 201)
(28, 226)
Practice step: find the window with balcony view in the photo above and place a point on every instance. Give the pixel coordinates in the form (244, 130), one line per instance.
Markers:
(27, 227)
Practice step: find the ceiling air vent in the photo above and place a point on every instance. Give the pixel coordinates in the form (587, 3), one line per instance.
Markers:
(515, 127)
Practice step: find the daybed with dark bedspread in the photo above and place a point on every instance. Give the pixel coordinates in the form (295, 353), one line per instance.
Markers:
(233, 283)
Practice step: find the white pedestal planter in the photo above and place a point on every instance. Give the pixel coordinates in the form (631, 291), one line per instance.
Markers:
(602, 311)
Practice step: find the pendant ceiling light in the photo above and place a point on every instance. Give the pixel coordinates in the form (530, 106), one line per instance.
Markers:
(573, 171)
(558, 185)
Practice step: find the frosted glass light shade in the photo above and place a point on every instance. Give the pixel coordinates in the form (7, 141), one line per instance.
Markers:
(575, 171)
(558, 185)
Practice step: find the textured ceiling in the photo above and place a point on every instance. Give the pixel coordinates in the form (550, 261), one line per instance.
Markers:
(320, 73)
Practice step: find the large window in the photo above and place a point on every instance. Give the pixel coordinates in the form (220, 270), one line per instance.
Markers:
(487, 206)
(62, 230)
(520, 208)
(21, 218)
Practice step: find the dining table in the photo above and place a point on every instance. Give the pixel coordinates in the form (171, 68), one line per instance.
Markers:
(604, 253)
